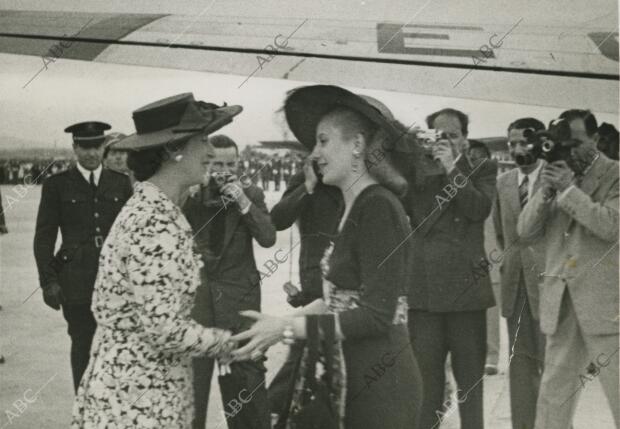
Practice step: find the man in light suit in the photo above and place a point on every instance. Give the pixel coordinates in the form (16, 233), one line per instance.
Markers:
(519, 275)
(575, 215)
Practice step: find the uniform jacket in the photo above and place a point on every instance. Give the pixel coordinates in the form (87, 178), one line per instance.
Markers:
(516, 258)
(447, 214)
(84, 220)
(579, 230)
(317, 216)
(232, 279)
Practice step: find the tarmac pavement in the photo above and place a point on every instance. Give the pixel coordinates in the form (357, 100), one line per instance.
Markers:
(35, 381)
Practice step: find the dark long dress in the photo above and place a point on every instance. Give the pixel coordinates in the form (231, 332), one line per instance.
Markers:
(365, 282)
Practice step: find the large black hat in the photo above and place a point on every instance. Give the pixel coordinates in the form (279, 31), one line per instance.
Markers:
(305, 106)
(88, 134)
(175, 118)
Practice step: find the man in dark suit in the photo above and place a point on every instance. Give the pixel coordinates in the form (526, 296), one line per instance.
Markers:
(225, 216)
(82, 203)
(520, 275)
(316, 208)
(450, 288)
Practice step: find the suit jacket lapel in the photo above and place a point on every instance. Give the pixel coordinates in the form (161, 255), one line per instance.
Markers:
(592, 179)
(512, 193)
(79, 180)
(104, 182)
(232, 219)
(440, 205)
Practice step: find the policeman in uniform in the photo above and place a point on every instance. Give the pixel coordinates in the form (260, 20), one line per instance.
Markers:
(82, 202)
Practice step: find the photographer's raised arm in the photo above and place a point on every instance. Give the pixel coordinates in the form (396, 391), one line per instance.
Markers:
(599, 217)
(257, 218)
(475, 193)
(293, 201)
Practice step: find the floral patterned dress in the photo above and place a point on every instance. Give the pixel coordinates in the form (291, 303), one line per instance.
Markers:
(139, 374)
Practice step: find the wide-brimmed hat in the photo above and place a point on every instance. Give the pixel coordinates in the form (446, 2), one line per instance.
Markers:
(305, 106)
(173, 119)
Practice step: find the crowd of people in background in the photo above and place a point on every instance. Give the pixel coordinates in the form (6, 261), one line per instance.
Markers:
(364, 192)
(270, 171)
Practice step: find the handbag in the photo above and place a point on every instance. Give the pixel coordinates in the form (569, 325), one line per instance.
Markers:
(313, 405)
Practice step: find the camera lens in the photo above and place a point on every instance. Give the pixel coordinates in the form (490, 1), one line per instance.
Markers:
(547, 146)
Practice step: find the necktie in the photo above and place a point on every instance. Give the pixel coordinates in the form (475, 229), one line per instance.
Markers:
(92, 182)
(523, 191)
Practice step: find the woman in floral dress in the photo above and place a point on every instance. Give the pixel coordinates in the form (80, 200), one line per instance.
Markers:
(354, 140)
(139, 375)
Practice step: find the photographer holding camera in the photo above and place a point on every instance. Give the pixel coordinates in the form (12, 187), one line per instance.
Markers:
(575, 215)
(448, 300)
(225, 216)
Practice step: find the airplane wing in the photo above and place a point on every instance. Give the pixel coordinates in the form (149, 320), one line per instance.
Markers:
(516, 62)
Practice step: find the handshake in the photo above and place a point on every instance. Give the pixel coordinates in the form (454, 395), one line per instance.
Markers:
(253, 343)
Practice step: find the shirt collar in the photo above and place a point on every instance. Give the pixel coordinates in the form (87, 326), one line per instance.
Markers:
(86, 173)
(589, 167)
(532, 176)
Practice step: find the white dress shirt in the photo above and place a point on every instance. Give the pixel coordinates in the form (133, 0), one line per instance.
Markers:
(86, 173)
(532, 178)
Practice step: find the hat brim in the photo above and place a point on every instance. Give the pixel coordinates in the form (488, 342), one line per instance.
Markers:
(136, 142)
(304, 107)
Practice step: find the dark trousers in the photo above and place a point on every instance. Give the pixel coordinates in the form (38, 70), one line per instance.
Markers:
(244, 396)
(527, 357)
(463, 334)
(82, 327)
(280, 387)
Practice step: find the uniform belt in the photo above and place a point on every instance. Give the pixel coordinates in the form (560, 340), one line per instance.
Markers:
(98, 241)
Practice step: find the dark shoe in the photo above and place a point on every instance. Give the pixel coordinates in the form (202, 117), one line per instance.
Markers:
(490, 369)
(1, 359)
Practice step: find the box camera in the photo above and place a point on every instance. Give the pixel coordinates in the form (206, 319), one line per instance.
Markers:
(552, 145)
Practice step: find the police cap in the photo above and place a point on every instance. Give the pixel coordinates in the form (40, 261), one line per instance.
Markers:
(88, 134)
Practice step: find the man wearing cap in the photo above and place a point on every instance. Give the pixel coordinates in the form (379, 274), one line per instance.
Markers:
(574, 215)
(82, 203)
(226, 217)
(115, 158)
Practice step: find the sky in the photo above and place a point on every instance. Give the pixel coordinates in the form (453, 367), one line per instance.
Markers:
(72, 91)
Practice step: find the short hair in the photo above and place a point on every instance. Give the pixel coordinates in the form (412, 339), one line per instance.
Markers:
(221, 141)
(477, 144)
(588, 119)
(462, 117)
(351, 122)
(608, 141)
(525, 123)
(386, 171)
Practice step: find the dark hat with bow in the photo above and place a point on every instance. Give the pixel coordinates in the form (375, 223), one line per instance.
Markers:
(174, 119)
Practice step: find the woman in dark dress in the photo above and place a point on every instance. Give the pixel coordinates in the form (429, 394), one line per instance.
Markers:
(366, 266)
